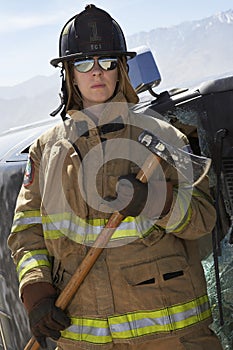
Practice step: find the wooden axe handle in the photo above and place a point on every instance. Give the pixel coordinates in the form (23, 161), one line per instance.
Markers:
(100, 243)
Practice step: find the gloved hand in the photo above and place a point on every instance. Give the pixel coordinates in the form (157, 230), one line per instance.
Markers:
(46, 320)
(131, 196)
(134, 197)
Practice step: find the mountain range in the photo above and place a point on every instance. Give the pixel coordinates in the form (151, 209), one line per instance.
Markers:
(191, 51)
(186, 54)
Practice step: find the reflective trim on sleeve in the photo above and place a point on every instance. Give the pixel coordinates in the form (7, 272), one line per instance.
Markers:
(31, 260)
(79, 230)
(24, 220)
(183, 200)
(137, 324)
(198, 193)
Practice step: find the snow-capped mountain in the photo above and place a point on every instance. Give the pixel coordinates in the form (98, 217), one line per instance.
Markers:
(191, 51)
(186, 54)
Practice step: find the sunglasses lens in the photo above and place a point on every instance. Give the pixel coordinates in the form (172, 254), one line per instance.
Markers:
(107, 63)
(84, 65)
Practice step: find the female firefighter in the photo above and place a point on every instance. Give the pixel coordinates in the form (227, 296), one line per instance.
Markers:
(147, 289)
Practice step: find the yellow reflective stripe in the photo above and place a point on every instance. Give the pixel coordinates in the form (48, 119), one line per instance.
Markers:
(183, 199)
(140, 323)
(89, 330)
(66, 216)
(79, 230)
(164, 320)
(86, 231)
(186, 213)
(190, 313)
(26, 214)
(30, 260)
(24, 220)
(184, 222)
(198, 193)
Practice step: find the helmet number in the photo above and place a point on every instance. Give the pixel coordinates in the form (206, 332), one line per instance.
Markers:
(94, 37)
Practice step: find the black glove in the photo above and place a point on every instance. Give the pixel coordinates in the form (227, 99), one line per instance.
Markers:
(47, 320)
(131, 196)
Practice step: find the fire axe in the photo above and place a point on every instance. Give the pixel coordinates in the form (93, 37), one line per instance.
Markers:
(193, 168)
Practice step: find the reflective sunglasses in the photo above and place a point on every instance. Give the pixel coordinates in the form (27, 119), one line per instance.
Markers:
(85, 65)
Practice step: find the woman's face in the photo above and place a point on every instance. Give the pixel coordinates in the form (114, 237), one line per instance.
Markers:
(97, 85)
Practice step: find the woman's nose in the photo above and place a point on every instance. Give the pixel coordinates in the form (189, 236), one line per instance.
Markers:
(96, 70)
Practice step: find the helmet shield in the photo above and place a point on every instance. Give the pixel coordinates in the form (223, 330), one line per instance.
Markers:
(93, 32)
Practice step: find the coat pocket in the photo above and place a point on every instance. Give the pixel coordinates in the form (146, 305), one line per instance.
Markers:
(140, 288)
(175, 280)
(158, 283)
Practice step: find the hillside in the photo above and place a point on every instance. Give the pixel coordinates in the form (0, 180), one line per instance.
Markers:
(186, 54)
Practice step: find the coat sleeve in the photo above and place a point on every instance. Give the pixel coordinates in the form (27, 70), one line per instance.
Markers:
(192, 214)
(26, 240)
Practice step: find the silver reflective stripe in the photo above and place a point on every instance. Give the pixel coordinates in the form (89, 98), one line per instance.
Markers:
(137, 324)
(180, 316)
(65, 225)
(94, 331)
(171, 318)
(31, 260)
(78, 229)
(28, 221)
(84, 231)
(23, 220)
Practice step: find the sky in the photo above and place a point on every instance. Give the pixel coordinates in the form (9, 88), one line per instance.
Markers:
(29, 30)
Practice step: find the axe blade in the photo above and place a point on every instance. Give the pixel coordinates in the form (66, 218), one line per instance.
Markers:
(192, 167)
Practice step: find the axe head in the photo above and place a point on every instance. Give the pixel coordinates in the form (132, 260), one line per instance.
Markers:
(192, 167)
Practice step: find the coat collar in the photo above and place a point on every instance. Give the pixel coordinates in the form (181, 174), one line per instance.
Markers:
(113, 115)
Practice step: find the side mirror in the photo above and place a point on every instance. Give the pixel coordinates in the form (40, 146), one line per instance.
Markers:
(143, 71)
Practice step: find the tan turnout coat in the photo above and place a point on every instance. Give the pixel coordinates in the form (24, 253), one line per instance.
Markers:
(148, 283)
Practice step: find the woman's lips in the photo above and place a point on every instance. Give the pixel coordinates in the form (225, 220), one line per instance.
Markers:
(97, 86)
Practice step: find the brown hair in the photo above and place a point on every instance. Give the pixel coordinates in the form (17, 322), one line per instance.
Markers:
(74, 98)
